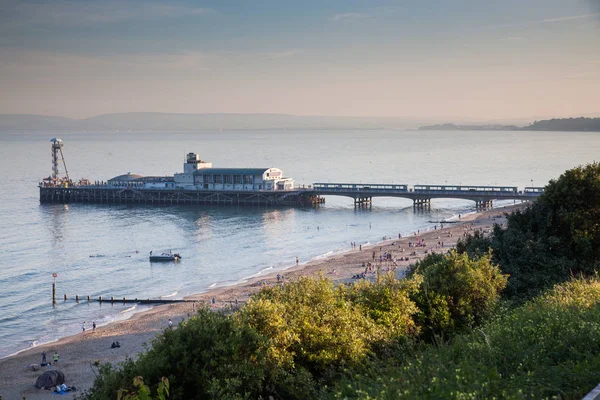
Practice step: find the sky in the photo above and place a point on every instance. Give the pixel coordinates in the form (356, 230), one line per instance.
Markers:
(416, 59)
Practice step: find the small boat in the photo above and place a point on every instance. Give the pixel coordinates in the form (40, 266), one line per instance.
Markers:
(165, 257)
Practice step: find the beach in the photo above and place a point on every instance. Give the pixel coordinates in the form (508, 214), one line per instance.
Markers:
(79, 353)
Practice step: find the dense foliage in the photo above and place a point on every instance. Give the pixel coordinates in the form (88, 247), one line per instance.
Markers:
(209, 356)
(456, 292)
(547, 348)
(557, 237)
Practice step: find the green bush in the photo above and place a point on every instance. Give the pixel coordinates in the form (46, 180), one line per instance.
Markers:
(316, 325)
(548, 348)
(557, 237)
(208, 356)
(456, 292)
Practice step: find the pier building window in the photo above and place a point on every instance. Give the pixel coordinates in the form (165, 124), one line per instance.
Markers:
(218, 178)
(228, 179)
(237, 179)
(207, 178)
(248, 179)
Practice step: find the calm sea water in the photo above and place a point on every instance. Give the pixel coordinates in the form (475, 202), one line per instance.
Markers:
(93, 248)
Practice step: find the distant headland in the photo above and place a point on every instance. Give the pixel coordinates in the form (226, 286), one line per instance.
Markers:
(580, 124)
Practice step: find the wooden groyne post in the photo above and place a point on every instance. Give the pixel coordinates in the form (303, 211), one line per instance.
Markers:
(54, 275)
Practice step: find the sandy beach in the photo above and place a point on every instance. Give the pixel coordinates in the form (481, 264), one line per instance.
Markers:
(79, 352)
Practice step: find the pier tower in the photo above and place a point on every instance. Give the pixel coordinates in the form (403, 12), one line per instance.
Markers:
(56, 149)
(192, 163)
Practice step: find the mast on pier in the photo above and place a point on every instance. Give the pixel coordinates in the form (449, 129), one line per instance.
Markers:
(56, 149)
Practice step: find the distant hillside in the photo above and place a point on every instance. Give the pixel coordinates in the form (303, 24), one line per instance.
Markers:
(167, 122)
(197, 122)
(566, 124)
(580, 124)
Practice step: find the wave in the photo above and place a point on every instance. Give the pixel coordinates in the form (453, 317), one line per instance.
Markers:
(129, 309)
(33, 344)
(170, 295)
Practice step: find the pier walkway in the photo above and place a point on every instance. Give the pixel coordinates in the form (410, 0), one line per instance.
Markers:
(363, 194)
(421, 195)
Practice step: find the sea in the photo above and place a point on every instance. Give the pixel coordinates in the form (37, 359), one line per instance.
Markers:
(102, 250)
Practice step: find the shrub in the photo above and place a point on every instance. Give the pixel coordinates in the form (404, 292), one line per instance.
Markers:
(557, 237)
(456, 292)
(548, 348)
(208, 356)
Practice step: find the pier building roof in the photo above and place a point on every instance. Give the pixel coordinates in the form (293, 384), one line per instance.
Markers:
(126, 177)
(231, 171)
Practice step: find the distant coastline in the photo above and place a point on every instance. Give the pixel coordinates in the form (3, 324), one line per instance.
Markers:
(176, 122)
(580, 124)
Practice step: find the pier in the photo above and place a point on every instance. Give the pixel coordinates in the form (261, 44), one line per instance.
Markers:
(362, 194)
(421, 195)
(200, 183)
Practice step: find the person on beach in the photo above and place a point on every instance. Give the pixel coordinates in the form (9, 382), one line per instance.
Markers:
(44, 357)
(297, 260)
(83, 327)
(55, 356)
(93, 325)
(170, 324)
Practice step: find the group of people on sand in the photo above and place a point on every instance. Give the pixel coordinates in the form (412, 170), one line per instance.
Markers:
(55, 357)
(418, 243)
(83, 326)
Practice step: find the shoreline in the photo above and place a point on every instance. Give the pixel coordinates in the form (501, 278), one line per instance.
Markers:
(78, 352)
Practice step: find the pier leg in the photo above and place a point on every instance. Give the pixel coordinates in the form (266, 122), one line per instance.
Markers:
(53, 293)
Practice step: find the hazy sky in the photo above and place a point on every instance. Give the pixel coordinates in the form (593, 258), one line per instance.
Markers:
(419, 58)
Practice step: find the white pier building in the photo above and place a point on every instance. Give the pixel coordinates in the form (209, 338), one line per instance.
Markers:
(200, 175)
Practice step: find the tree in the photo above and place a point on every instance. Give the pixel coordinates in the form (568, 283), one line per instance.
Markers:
(556, 237)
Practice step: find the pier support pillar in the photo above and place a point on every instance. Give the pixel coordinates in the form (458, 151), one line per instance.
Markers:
(363, 201)
(422, 204)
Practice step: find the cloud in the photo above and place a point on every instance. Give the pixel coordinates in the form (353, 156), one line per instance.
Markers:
(281, 54)
(349, 17)
(568, 18)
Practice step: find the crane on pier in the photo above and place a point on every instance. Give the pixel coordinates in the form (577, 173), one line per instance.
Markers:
(56, 149)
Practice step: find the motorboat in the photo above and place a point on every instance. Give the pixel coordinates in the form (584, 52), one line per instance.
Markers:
(165, 257)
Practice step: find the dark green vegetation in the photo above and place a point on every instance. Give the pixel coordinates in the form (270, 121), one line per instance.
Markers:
(513, 315)
(580, 124)
(566, 124)
(554, 239)
(548, 347)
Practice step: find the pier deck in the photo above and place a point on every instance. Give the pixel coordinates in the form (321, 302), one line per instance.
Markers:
(421, 195)
(107, 194)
